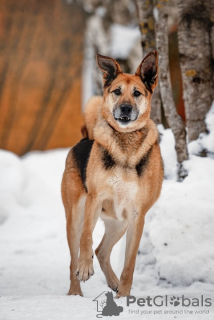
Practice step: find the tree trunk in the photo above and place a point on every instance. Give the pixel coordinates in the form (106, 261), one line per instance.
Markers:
(174, 120)
(211, 11)
(99, 37)
(196, 62)
(147, 29)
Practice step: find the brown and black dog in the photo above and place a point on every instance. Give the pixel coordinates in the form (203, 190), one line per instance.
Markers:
(115, 173)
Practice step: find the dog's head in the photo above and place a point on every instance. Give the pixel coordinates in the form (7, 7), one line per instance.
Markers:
(127, 98)
(109, 295)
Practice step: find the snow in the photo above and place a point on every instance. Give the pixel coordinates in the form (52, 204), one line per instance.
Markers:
(183, 254)
(155, 13)
(206, 140)
(176, 255)
(123, 39)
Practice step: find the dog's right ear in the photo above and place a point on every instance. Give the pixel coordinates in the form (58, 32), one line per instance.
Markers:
(109, 67)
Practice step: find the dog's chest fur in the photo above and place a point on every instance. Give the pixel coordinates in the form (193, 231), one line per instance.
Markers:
(120, 189)
(124, 194)
(123, 161)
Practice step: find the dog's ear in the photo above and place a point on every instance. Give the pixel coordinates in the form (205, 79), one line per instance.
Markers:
(148, 70)
(109, 67)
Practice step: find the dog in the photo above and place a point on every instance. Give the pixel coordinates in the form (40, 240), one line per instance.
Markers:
(115, 172)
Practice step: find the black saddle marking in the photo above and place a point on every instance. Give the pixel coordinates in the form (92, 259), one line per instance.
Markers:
(107, 159)
(141, 166)
(81, 152)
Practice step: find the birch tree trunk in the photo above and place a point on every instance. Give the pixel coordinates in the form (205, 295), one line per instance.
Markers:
(211, 11)
(147, 29)
(174, 120)
(196, 62)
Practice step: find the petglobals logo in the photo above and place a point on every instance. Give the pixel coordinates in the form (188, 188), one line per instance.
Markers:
(151, 305)
(169, 301)
(106, 306)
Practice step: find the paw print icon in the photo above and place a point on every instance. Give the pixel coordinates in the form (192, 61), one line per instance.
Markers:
(174, 301)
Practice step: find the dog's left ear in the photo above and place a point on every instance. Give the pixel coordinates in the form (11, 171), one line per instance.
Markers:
(148, 70)
(110, 67)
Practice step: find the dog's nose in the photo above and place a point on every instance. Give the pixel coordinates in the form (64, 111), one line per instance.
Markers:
(126, 109)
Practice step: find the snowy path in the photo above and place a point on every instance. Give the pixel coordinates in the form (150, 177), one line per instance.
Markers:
(176, 252)
(67, 308)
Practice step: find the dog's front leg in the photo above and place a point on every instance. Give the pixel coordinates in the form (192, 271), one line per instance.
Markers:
(133, 237)
(85, 263)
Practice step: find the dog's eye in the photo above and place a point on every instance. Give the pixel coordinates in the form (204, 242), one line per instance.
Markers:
(117, 92)
(137, 93)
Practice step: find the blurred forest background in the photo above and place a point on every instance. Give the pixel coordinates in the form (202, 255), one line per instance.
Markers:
(48, 69)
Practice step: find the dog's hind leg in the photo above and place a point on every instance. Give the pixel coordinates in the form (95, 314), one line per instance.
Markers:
(114, 230)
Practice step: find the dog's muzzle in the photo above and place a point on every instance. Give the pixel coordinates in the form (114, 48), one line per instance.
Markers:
(125, 113)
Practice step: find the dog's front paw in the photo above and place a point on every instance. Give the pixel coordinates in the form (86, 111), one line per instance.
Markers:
(84, 269)
(122, 292)
(113, 282)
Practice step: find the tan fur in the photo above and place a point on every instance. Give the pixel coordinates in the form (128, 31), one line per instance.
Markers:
(121, 195)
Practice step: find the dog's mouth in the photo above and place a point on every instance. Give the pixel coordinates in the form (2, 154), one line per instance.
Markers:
(123, 119)
(124, 114)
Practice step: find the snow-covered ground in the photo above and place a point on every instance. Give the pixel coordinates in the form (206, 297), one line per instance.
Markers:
(176, 254)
